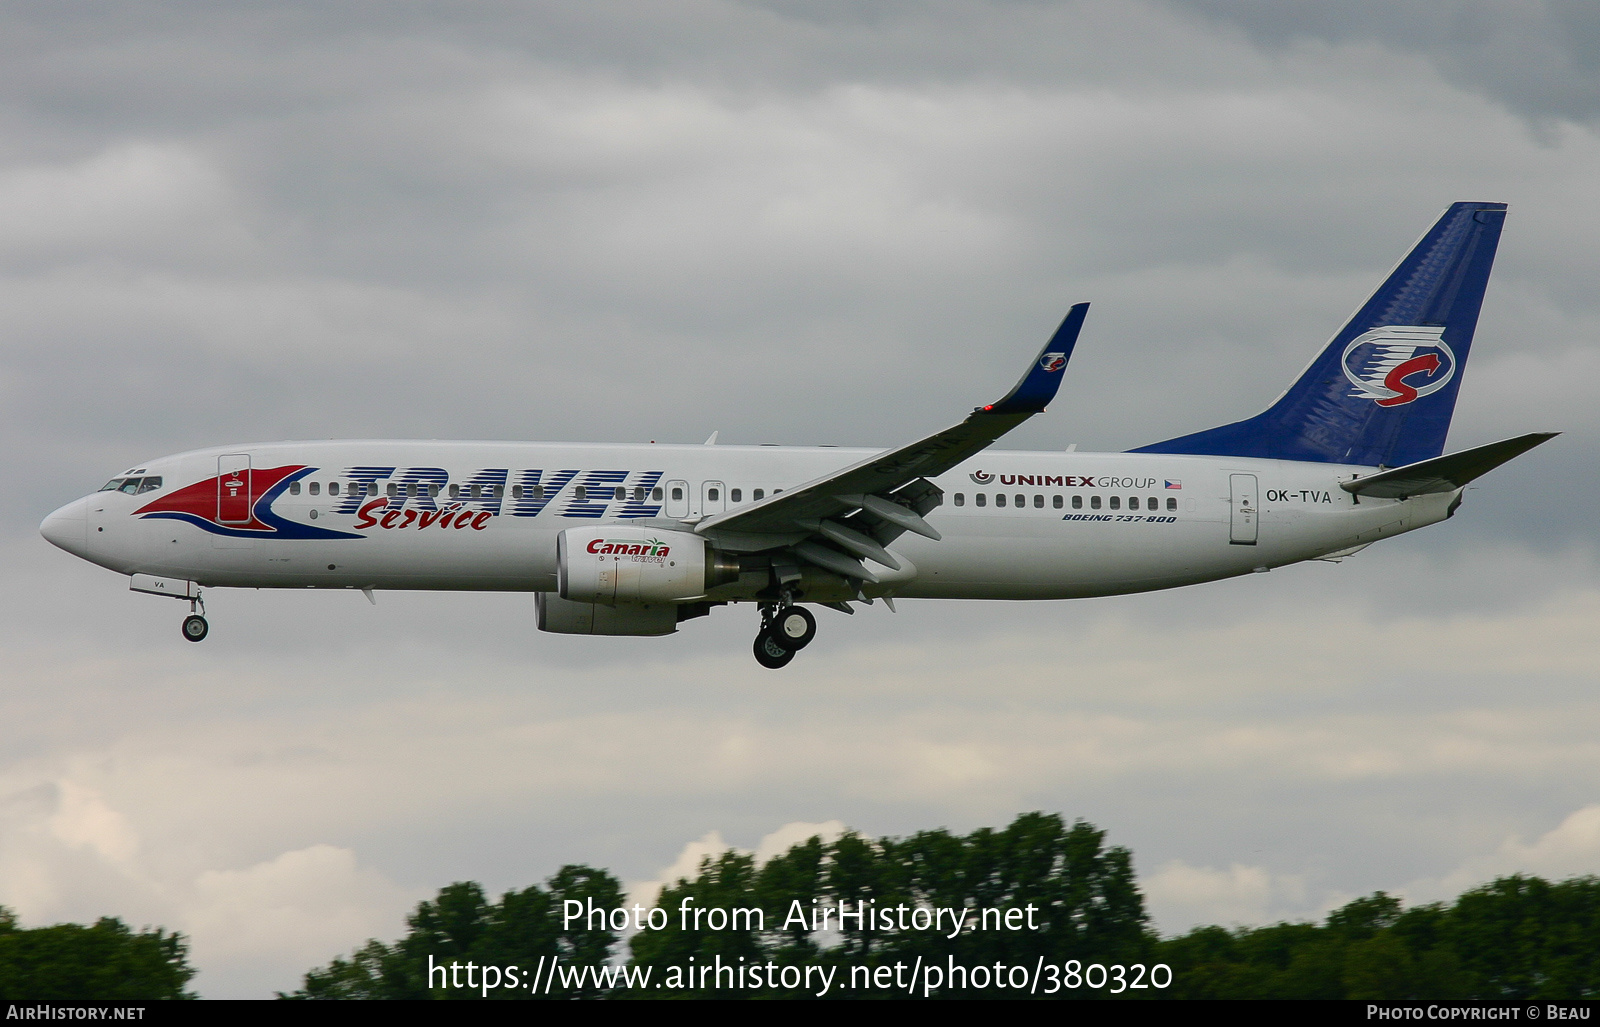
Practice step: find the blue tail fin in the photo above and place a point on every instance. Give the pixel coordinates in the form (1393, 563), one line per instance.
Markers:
(1382, 393)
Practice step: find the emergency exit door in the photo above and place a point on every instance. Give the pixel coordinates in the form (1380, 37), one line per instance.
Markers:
(233, 488)
(1246, 506)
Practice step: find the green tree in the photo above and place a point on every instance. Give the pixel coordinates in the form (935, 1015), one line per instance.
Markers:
(461, 929)
(1524, 938)
(1085, 903)
(105, 961)
(1517, 937)
(703, 927)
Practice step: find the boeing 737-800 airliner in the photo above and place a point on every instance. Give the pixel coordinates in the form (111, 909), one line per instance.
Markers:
(636, 539)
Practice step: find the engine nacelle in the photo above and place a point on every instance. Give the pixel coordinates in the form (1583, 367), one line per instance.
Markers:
(623, 564)
(565, 617)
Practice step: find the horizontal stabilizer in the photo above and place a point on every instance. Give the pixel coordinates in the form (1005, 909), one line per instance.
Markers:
(1444, 473)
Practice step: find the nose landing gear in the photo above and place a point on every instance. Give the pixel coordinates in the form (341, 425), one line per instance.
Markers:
(195, 627)
(785, 630)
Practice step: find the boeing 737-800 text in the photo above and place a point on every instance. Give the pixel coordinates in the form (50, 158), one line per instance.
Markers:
(636, 539)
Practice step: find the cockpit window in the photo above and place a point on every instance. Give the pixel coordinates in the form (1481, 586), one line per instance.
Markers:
(132, 486)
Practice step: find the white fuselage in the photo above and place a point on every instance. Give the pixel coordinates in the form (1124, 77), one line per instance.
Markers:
(1072, 525)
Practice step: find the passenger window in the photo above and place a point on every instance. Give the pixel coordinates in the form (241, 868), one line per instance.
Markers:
(1172, 502)
(516, 492)
(581, 494)
(619, 493)
(638, 493)
(655, 495)
(737, 495)
(1038, 502)
(1116, 502)
(979, 499)
(1000, 499)
(1133, 502)
(1094, 502)
(1056, 502)
(499, 491)
(294, 489)
(455, 491)
(1153, 504)
(758, 494)
(677, 495)
(316, 488)
(1022, 501)
(538, 492)
(333, 488)
(411, 490)
(1077, 502)
(961, 500)
(712, 494)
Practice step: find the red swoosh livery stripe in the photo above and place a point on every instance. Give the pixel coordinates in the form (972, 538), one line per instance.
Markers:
(200, 499)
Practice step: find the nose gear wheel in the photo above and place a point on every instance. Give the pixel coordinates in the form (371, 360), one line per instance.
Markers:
(195, 627)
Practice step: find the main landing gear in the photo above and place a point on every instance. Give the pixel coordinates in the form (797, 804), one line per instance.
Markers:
(195, 627)
(785, 630)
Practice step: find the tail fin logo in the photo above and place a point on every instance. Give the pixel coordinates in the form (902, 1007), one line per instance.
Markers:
(1386, 364)
(1052, 362)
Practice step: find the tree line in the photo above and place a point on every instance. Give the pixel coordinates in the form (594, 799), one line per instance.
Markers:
(105, 961)
(1517, 937)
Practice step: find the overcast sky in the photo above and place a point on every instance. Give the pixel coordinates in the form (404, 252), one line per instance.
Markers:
(791, 222)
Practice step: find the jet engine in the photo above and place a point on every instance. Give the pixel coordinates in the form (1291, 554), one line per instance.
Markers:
(625, 565)
(565, 617)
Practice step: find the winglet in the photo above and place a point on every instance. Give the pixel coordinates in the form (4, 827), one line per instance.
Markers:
(1038, 387)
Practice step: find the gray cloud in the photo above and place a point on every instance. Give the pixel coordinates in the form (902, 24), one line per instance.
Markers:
(793, 223)
(1538, 57)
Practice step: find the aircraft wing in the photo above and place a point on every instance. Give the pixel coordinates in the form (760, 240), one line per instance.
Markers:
(1444, 473)
(836, 520)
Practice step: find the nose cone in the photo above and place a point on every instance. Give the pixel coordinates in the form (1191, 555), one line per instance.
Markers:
(68, 527)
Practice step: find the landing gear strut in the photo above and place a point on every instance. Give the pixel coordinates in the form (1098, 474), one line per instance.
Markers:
(785, 630)
(195, 627)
